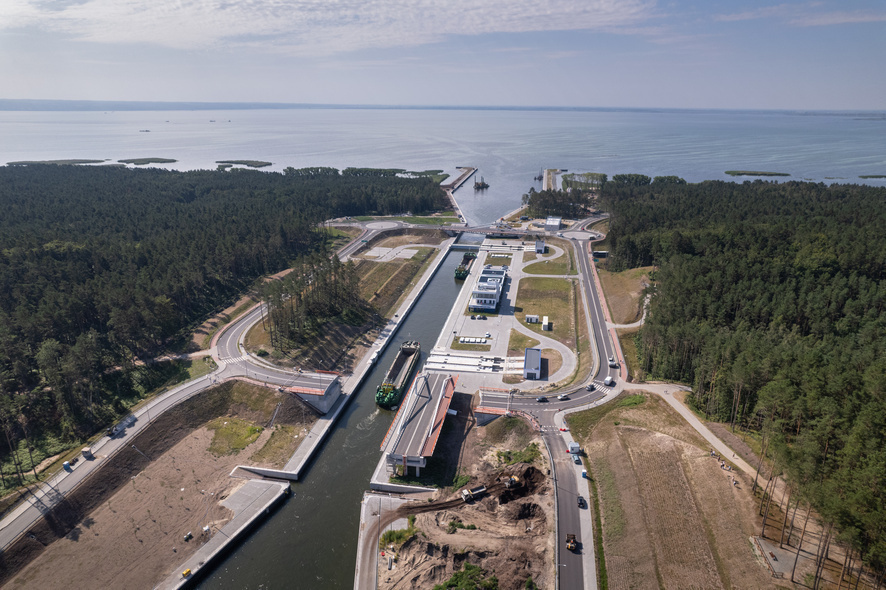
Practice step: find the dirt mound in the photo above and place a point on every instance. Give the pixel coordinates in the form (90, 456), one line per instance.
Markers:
(422, 564)
(524, 511)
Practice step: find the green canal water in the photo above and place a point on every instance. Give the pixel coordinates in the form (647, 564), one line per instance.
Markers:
(311, 541)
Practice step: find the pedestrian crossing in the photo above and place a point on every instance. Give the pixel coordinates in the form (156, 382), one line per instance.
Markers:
(243, 358)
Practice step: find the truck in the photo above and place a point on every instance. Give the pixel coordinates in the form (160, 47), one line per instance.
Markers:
(574, 448)
(571, 543)
(468, 495)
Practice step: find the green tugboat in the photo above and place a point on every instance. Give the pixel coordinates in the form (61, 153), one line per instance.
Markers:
(392, 388)
(461, 273)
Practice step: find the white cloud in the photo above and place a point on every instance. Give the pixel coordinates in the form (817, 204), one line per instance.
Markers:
(763, 12)
(838, 18)
(805, 15)
(310, 26)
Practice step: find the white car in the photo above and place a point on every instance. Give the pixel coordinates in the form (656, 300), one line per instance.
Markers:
(562, 397)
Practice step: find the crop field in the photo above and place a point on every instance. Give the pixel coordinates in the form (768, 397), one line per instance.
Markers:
(671, 517)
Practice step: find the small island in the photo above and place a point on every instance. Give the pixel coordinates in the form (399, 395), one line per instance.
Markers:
(250, 163)
(144, 161)
(872, 176)
(754, 173)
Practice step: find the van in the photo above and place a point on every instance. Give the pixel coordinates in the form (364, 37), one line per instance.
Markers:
(608, 381)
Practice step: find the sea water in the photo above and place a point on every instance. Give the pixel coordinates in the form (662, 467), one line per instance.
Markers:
(509, 147)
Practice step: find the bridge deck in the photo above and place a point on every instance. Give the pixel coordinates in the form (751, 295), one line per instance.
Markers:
(421, 416)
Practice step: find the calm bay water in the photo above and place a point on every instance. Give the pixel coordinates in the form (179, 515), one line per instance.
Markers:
(509, 147)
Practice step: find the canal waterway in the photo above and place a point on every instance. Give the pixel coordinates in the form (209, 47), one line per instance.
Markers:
(311, 542)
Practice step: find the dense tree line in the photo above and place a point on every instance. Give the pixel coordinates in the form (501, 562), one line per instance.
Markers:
(579, 192)
(101, 265)
(569, 203)
(319, 288)
(770, 299)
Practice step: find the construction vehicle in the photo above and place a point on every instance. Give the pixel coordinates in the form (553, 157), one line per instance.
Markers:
(468, 495)
(571, 543)
(512, 482)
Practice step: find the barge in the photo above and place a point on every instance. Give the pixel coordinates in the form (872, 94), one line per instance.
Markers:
(461, 273)
(396, 381)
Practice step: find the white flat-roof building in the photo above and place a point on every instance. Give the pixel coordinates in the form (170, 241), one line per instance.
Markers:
(487, 291)
(553, 223)
(532, 363)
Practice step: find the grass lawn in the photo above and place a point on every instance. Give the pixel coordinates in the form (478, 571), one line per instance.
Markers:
(558, 266)
(562, 265)
(519, 342)
(199, 367)
(278, 449)
(548, 297)
(624, 291)
(555, 361)
(629, 348)
(456, 345)
(232, 435)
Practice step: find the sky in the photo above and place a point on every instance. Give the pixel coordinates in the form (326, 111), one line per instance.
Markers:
(750, 54)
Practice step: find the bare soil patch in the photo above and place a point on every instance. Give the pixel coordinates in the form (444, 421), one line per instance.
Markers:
(128, 520)
(513, 534)
(671, 517)
(623, 292)
(434, 237)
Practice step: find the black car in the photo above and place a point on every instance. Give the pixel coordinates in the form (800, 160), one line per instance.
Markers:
(581, 502)
(541, 398)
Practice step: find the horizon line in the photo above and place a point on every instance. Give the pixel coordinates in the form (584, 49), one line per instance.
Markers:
(36, 104)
